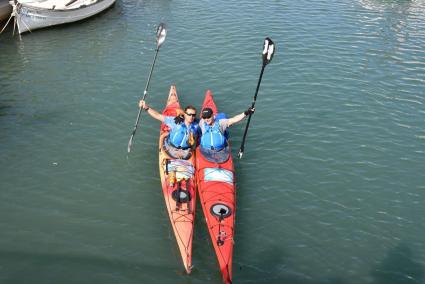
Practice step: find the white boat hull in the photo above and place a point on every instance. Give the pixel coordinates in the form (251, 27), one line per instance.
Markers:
(29, 18)
(5, 10)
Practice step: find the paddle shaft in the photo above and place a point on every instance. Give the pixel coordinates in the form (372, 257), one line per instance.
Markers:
(241, 150)
(143, 98)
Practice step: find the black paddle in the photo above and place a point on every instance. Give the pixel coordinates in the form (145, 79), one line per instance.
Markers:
(160, 38)
(268, 53)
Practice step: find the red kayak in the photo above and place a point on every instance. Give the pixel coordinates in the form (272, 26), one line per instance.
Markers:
(216, 189)
(178, 186)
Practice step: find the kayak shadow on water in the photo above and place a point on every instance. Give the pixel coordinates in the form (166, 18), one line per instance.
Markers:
(51, 267)
(399, 267)
(273, 265)
(4, 109)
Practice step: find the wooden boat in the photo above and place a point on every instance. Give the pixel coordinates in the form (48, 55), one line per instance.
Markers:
(178, 186)
(217, 193)
(5, 10)
(36, 14)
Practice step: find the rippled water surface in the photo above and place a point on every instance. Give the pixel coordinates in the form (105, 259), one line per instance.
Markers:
(331, 188)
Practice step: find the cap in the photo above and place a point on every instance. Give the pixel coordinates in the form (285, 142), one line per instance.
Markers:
(207, 112)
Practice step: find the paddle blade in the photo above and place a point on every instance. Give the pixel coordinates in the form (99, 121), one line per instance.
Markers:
(268, 51)
(240, 154)
(161, 33)
(130, 143)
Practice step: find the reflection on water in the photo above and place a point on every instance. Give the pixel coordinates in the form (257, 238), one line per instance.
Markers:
(381, 5)
(400, 266)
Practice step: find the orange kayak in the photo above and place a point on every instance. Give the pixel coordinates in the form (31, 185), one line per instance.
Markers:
(216, 189)
(178, 186)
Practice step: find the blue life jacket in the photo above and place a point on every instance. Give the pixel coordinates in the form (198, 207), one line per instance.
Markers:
(179, 135)
(212, 138)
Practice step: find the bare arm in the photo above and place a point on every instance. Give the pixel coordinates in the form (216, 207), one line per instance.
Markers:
(235, 119)
(239, 117)
(151, 111)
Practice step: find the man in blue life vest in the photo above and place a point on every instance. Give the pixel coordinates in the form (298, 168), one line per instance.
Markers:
(183, 128)
(213, 128)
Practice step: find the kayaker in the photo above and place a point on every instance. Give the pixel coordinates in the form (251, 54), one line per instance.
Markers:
(213, 130)
(183, 128)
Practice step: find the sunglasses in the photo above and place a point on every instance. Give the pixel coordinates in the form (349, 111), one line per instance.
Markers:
(191, 114)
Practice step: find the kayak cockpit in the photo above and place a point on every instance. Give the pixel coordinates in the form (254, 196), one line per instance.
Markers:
(216, 156)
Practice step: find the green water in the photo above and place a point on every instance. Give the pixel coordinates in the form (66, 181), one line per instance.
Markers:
(331, 186)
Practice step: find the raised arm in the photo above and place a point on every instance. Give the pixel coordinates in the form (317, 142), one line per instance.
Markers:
(151, 111)
(239, 117)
